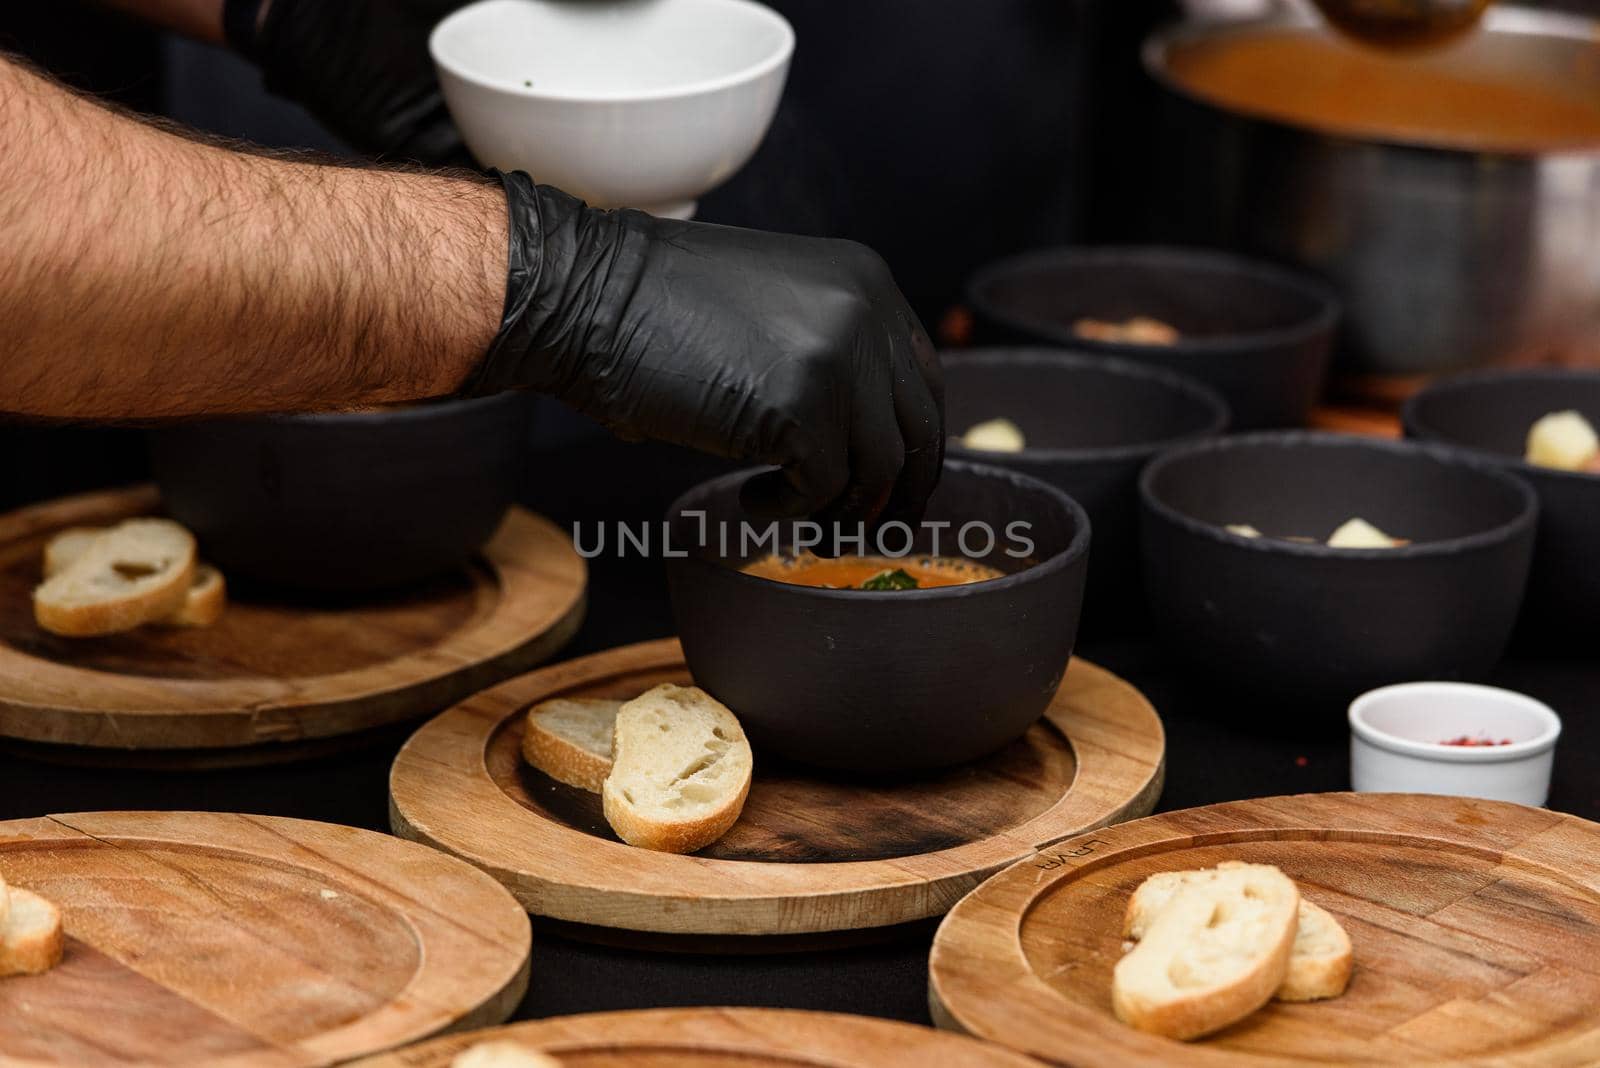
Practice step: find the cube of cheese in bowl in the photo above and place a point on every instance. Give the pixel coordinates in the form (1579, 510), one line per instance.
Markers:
(1539, 424)
(1565, 441)
(1087, 425)
(1246, 588)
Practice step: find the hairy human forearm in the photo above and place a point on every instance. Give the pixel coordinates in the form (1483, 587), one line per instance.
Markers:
(144, 274)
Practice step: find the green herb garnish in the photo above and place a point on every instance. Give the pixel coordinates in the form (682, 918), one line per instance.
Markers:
(896, 579)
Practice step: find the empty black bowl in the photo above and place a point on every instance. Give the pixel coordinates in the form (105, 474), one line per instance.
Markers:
(1090, 425)
(1311, 626)
(1259, 335)
(881, 682)
(1491, 412)
(349, 501)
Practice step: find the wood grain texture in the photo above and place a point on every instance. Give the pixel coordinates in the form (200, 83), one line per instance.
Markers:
(243, 941)
(721, 1038)
(1476, 927)
(809, 854)
(276, 671)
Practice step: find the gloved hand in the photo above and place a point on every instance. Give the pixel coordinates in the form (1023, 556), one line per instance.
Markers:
(360, 66)
(793, 351)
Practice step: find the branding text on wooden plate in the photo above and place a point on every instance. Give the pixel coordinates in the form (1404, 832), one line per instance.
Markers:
(1050, 861)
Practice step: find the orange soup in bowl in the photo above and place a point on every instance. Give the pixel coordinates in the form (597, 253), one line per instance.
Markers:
(870, 572)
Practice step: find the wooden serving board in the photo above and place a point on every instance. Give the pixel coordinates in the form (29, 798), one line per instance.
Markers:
(809, 854)
(242, 941)
(1476, 927)
(724, 1038)
(273, 673)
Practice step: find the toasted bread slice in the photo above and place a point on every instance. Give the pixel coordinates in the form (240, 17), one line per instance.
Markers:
(1319, 964)
(1322, 959)
(1212, 955)
(208, 592)
(569, 739)
(32, 941)
(5, 902)
(138, 572)
(502, 1053)
(203, 605)
(67, 547)
(681, 770)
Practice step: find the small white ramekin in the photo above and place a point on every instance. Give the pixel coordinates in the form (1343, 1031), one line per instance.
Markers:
(1396, 731)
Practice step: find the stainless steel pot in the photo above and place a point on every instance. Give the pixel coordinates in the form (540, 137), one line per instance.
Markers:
(1446, 258)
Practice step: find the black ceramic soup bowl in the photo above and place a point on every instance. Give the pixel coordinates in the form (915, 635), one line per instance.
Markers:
(893, 681)
(1259, 335)
(1310, 626)
(1089, 424)
(345, 502)
(1490, 413)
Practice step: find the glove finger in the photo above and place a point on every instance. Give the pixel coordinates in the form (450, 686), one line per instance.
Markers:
(812, 475)
(919, 407)
(877, 454)
(926, 359)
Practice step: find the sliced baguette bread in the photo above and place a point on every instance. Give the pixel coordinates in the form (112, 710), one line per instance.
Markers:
(138, 572)
(67, 547)
(1319, 964)
(569, 739)
(31, 941)
(1212, 955)
(202, 606)
(502, 1053)
(680, 773)
(1322, 959)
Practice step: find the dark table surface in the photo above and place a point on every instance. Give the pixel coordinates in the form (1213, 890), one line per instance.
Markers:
(1213, 755)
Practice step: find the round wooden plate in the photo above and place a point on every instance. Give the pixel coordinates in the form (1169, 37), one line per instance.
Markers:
(1476, 927)
(809, 854)
(276, 672)
(242, 941)
(727, 1038)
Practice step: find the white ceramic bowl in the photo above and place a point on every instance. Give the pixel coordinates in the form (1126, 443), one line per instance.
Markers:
(625, 103)
(1396, 731)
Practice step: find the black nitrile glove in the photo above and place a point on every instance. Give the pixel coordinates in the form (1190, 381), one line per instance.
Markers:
(362, 67)
(793, 351)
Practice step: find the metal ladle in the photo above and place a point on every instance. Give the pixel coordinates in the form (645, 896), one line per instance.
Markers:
(1403, 23)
